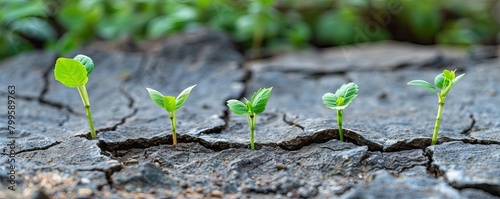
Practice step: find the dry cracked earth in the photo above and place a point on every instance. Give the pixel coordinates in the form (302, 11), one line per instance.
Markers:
(389, 125)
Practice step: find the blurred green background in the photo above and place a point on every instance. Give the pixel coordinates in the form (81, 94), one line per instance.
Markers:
(269, 26)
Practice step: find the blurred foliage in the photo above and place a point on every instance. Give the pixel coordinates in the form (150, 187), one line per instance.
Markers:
(266, 26)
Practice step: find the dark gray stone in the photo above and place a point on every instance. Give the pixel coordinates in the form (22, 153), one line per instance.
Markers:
(482, 88)
(142, 178)
(75, 153)
(26, 72)
(384, 185)
(468, 165)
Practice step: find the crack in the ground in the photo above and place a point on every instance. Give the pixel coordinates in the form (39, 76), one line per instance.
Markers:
(46, 81)
(107, 172)
(469, 129)
(291, 123)
(66, 119)
(245, 81)
(36, 148)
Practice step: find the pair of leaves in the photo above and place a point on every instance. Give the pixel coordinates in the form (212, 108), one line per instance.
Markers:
(73, 72)
(442, 81)
(256, 105)
(170, 103)
(342, 97)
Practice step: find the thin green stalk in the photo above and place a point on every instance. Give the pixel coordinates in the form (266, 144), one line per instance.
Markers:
(86, 102)
(340, 115)
(172, 122)
(252, 120)
(438, 119)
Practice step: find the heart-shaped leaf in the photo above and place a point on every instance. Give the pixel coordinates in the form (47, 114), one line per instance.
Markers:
(70, 72)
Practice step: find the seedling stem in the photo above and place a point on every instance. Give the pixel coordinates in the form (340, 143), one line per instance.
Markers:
(174, 130)
(86, 103)
(340, 115)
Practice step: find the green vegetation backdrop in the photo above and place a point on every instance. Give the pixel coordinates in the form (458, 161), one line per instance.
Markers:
(270, 26)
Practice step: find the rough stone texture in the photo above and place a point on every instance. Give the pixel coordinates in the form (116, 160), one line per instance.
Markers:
(34, 65)
(479, 165)
(384, 185)
(387, 127)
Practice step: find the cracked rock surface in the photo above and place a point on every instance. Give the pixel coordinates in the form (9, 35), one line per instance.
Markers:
(388, 127)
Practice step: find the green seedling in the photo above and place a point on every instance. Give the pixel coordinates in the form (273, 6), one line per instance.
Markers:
(339, 101)
(444, 82)
(74, 73)
(171, 104)
(251, 109)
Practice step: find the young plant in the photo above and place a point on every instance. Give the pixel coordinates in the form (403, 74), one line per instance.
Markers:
(170, 104)
(251, 109)
(444, 82)
(74, 73)
(339, 101)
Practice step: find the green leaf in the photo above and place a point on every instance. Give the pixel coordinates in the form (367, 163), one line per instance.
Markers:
(70, 72)
(259, 100)
(330, 99)
(342, 97)
(348, 92)
(423, 84)
(169, 103)
(86, 61)
(156, 96)
(458, 78)
(440, 81)
(179, 101)
(237, 107)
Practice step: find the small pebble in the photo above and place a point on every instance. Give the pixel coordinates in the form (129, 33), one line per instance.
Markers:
(216, 194)
(280, 167)
(132, 161)
(85, 192)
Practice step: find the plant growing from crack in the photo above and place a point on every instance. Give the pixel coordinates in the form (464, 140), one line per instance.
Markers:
(74, 73)
(444, 82)
(251, 109)
(339, 101)
(171, 104)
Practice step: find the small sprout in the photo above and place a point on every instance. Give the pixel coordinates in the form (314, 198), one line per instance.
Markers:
(444, 82)
(170, 104)
(340, 100)
(251, 109)
(74, 73)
